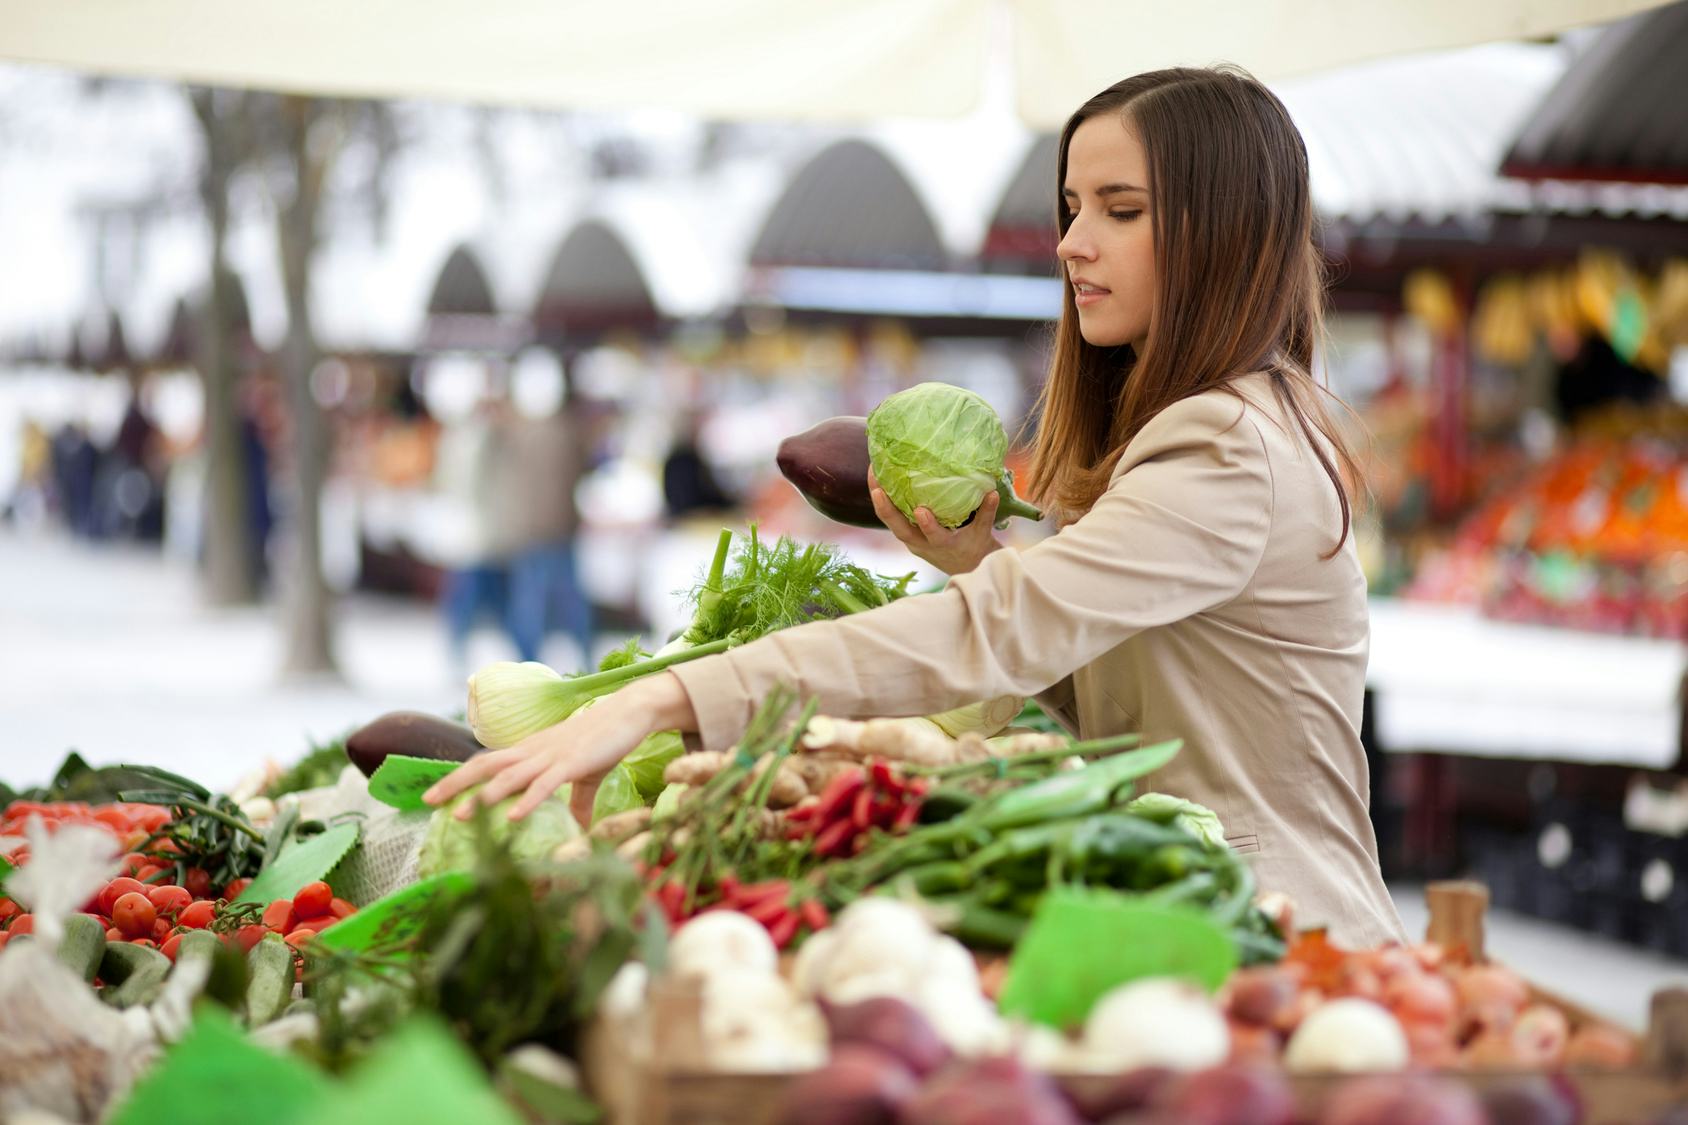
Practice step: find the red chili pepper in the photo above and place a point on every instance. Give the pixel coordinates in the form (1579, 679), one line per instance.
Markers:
(906, 816)
(883, 777)
(751, 893)
(885, 810)
(861, 813)
(800, 814)
(833, 837)
(838, 793)
(784, 929)
(729, 886)
(814, 915)
(768, 911)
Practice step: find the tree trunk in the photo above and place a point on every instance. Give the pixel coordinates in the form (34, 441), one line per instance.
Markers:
(310, 641)
(232, 555)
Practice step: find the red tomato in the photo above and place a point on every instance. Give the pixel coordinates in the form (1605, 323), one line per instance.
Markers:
(198, 882)
(148, 942)
(133, 914)
(162, 928)
(134, 861)
(298, 938)
(169, 900)
(235, 887)
(4, 938)
(171, 944)
(248, 936)
(340, 908)
(147, 871)
(313, 900)
(114, 934)
(114, 817)
(22, 924)
(197, 915)
(116, 889)
(317, 924)
(279, 917)
(8, 908)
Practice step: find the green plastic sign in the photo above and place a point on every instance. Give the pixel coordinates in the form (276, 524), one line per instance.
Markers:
(421, 1073)
(306, 861)
(401, 780)
(216, 1075)
(396, 918)
(1083, 944)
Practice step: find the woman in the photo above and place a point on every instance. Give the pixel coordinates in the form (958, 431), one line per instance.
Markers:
(1204, 583)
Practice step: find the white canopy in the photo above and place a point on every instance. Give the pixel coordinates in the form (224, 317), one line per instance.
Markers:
(818, 59)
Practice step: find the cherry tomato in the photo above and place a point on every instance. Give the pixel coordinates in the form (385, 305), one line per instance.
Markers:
(8, 908)
(114, 934)
(115, 890)
(22, 924)
(248, 936)
(198, 882)
(235, 887)
(148, 942)
(133, 914)
(313, 900)
(340, 908)
(171, 944)
(197, 915)
(168, 899)
(298, 938)
(162, 928)
(4, 938)
(279, 916)
(147, 872)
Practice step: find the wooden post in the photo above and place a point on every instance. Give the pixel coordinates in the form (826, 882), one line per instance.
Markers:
(1456, 916)
(1666, 1048)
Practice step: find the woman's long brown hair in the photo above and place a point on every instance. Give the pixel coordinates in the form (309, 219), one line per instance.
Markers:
(1239, 283)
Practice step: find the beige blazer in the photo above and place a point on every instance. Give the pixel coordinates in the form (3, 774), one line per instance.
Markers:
(1191, 600)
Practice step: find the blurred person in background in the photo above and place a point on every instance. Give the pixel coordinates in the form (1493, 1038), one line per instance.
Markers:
(32, 494)
(689, 485)
(75, 463)
(548, 456)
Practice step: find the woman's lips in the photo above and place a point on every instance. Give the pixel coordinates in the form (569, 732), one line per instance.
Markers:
(1084, 295)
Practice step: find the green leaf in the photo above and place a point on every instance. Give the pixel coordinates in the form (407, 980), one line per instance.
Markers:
(421, 1073)
(1082, 944)
(215, 1075)
(616, 794)
(304, 862)
(397, 918)
(401, 780)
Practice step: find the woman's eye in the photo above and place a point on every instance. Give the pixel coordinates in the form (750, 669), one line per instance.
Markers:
(1124, 216)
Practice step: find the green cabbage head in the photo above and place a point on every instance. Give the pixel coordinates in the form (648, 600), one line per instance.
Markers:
(1198, 820)
(941, 447)
(449, 844)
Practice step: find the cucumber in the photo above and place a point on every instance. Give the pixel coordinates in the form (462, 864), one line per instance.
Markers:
(198, 943)
(269, 987)
(133, 974)
(83, 945)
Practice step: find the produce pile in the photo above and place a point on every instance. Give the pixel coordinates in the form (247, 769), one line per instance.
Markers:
(1593, 538)
(964, 917)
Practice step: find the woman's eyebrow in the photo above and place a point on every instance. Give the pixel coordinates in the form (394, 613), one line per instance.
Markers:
(1108, 189)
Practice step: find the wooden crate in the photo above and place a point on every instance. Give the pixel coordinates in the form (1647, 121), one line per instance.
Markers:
(651, 1071)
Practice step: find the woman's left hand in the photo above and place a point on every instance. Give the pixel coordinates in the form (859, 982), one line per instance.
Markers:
(951, 551)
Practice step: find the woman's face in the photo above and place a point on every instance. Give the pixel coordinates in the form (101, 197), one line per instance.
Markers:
(1109, 251)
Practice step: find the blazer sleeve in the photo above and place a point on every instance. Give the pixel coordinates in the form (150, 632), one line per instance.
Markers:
(1180, 530)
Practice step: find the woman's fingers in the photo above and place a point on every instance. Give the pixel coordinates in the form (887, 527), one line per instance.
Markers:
(583, 794)
(894, 519)
(512, 778)
(476, 769)
(540, 790)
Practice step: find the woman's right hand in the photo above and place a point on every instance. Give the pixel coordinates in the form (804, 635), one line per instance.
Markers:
(953, 552)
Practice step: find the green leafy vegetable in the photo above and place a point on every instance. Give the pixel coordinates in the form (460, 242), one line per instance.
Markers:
(940, 447)
(320, 767)
(450, 843)
(1198, 820)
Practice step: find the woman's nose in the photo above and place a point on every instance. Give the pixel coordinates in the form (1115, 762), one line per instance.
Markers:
(1075, 246)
